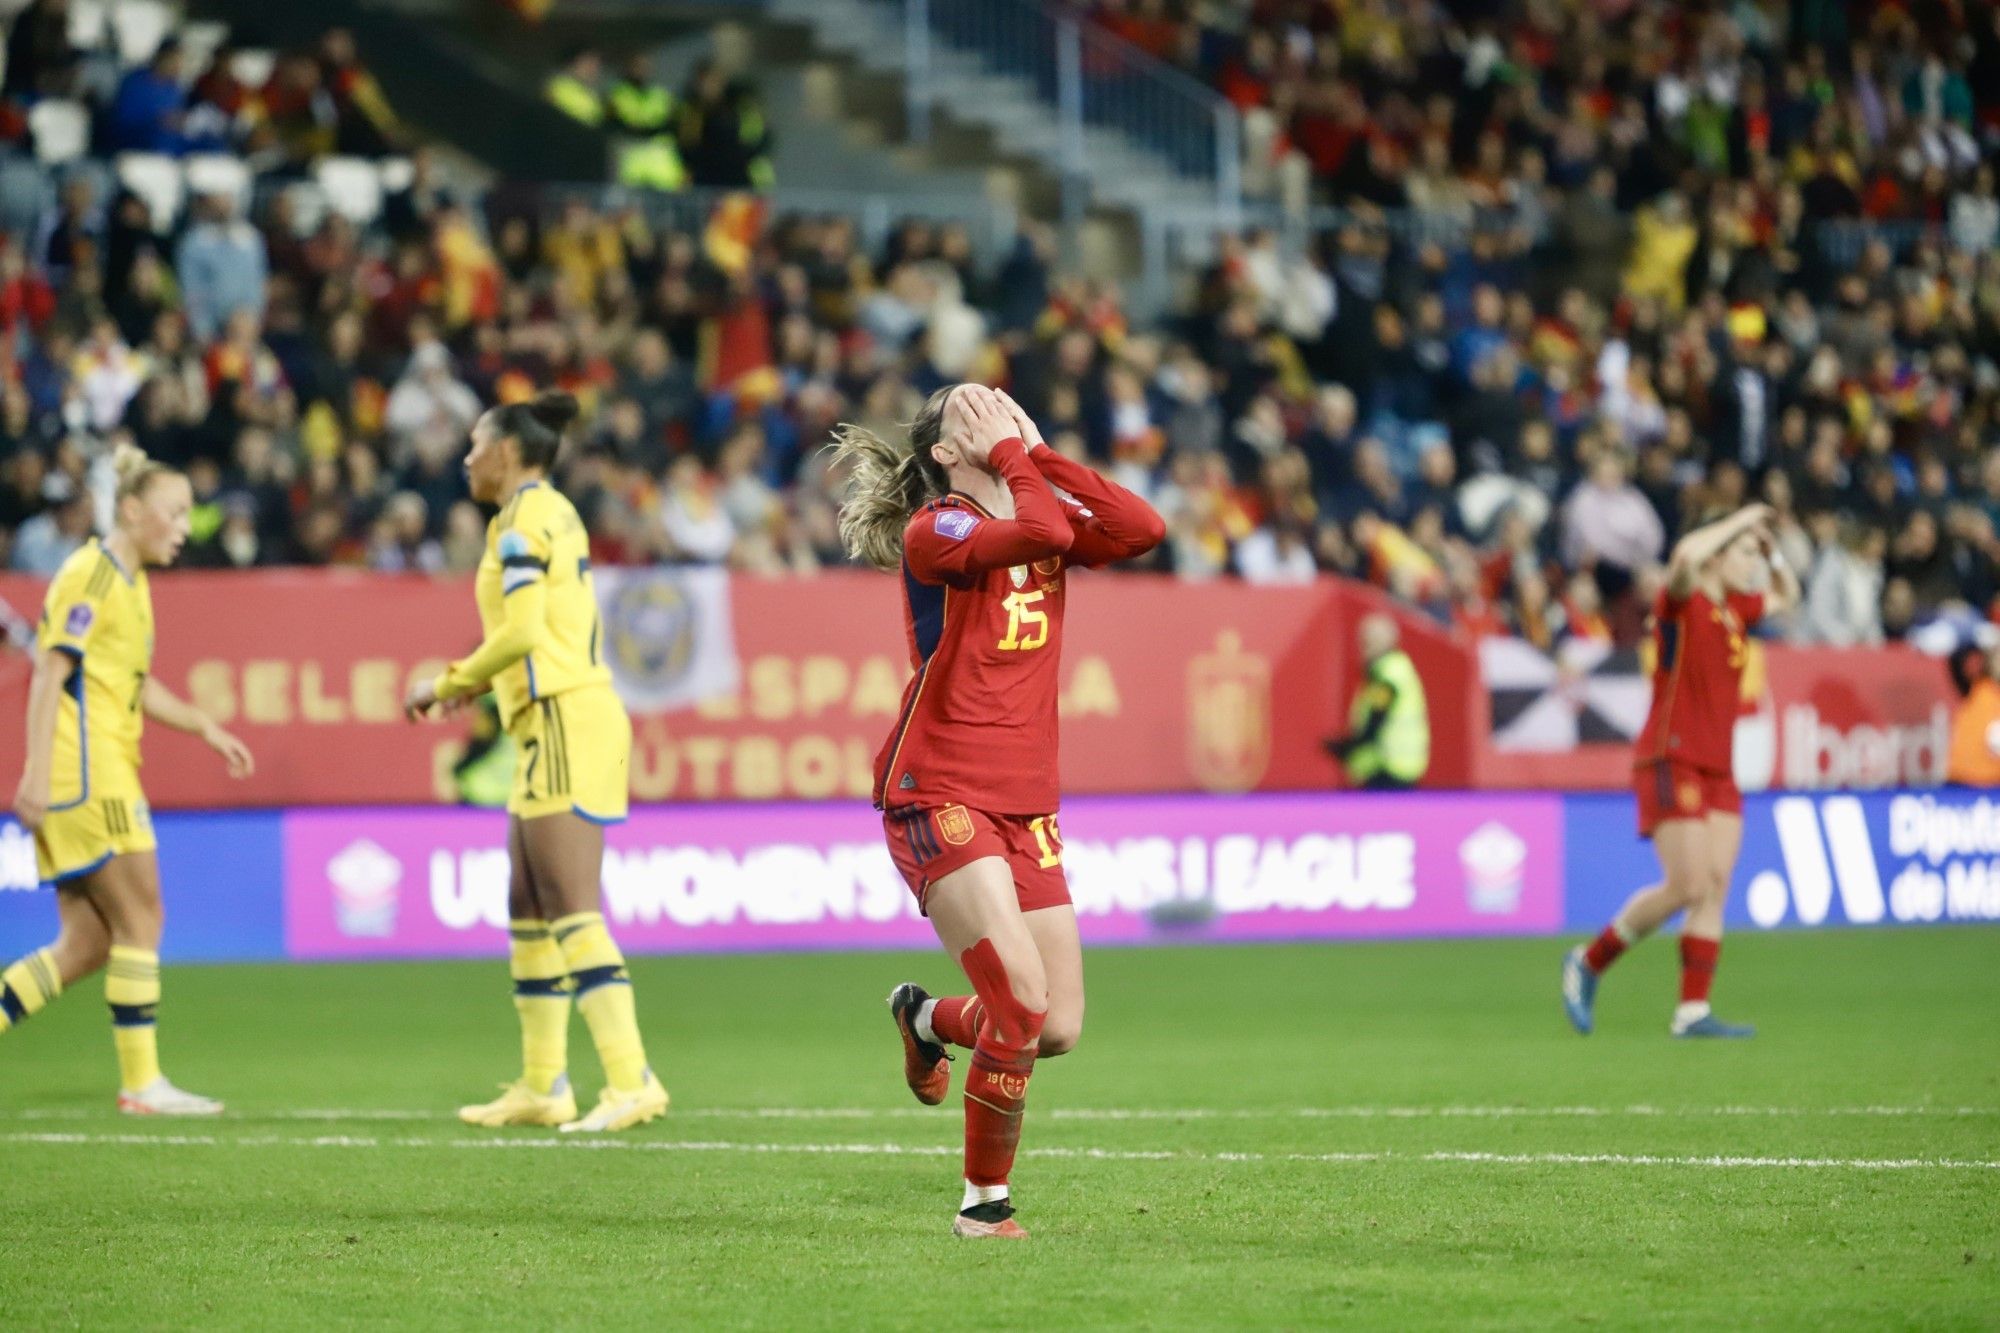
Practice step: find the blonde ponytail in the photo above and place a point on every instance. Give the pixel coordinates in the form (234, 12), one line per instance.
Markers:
(136, 470)
(888, 483)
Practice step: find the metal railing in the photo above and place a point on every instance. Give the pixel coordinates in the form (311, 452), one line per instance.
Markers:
(1094, 82)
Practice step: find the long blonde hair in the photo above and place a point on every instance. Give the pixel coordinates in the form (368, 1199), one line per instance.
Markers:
(136, 470)
(890, 482)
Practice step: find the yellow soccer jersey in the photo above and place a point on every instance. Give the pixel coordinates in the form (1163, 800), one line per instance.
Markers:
(537, 606)
(102, 615)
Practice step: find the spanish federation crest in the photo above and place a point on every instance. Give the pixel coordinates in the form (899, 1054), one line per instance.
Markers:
(1018, 573)
(1229, 716)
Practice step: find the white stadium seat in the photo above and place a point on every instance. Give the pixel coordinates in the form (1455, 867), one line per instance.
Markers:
(155, 178)
(218, 173)
(140, 26)
(61, 130)
(397, 173)
(89, 21)
(308, 203)
(200, 40)
(353, 187)
(253, 66)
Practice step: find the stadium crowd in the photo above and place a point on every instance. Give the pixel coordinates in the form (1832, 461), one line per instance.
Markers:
(1591, 289)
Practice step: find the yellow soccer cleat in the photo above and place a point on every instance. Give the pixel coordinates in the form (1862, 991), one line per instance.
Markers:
(617, 1110)
(522, 1105)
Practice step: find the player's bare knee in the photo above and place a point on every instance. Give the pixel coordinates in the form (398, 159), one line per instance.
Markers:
(1059, 1036)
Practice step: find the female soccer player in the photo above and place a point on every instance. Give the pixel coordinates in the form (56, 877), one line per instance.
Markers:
(967, 780)
(87, 704)
(1721, 580)
(541, 658)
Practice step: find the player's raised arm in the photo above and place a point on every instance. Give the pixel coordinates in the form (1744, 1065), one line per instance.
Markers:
(1705, 543)
(964, 450)
(1109, 522)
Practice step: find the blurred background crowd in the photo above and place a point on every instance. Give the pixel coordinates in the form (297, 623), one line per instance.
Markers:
(1582, 276)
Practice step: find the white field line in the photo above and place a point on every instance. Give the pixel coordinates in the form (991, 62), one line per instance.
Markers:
(553, 1143)
(1113, 1113)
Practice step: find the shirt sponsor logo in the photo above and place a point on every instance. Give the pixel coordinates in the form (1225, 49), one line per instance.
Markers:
(955, 524)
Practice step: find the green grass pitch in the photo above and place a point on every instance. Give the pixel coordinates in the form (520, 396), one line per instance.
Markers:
(1382, 1135)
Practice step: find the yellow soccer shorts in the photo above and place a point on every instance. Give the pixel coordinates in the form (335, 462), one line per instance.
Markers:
(573, 752)
(73, 842)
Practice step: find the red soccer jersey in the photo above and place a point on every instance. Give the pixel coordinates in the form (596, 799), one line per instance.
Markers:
(1697, 678)
(983, 602)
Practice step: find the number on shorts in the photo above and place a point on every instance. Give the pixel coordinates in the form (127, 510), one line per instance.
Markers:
(1049, 838)
(533, 746)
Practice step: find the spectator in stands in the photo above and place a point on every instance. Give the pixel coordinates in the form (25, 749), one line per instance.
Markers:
(400, 542)
(222, 267)
(365, 125)
(41, 62)
(73, 232)
(1609, 528)
(301, 119)
(146, 114)
(430, 409)
(575, 89)
(26, 299)
(725, 140)
(639, 106)
(53, 535)
(1843, 598)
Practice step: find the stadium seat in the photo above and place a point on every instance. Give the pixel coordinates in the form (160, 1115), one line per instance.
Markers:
(218, 173)
(139, 26)
(397, 173)
(200, 40)
(155, 178)
(353, 187)
(308, 203)
(253, 66)
(89, 24)
(61, 130)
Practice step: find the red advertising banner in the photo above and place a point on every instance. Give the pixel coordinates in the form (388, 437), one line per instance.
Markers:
(1167, 685)
(1866, 718)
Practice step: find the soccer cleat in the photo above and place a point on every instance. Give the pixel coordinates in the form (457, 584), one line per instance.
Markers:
(1579, 991)
(988, 1221)
(617, 1110)
(162, 1098)
(926, 1065)
(520, 1104)
(1708, 1025)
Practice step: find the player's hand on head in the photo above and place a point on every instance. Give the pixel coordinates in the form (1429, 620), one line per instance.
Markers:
(986, 422)
(1030, 433)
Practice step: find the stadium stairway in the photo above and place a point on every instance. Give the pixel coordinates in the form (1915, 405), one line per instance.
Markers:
(1124, 175)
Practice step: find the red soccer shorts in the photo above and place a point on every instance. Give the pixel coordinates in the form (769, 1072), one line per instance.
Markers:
(1668, 789)
(928, 844)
